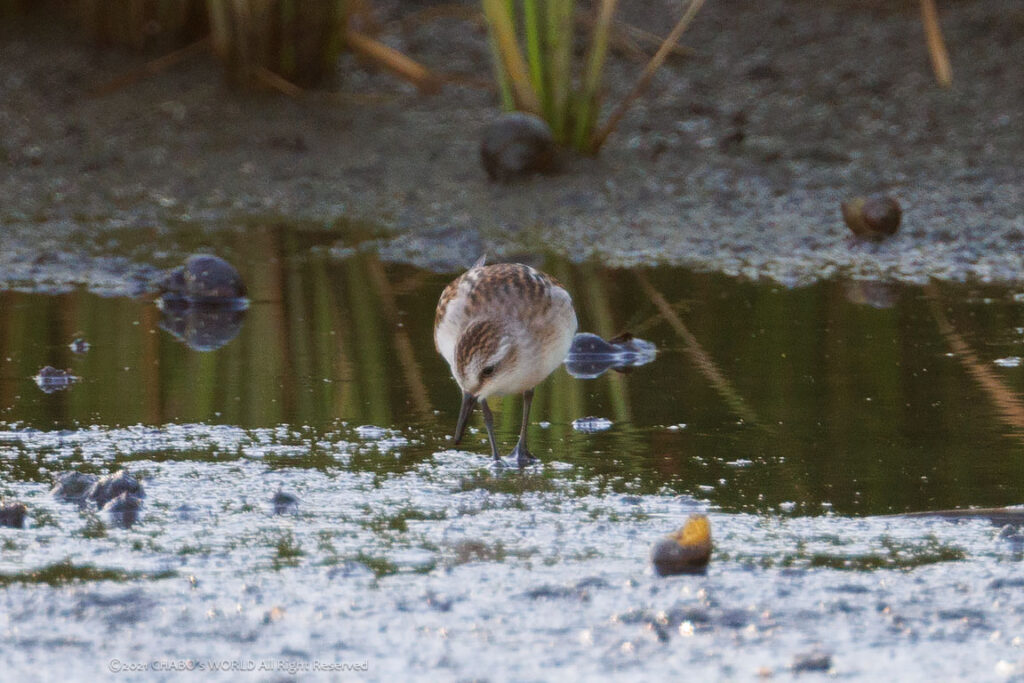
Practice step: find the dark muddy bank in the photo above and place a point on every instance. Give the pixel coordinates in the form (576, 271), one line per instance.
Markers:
(735, 161)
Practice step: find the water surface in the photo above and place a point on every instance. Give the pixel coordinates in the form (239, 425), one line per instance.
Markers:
(797, 418)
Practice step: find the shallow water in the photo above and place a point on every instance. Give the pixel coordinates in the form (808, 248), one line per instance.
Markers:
(800, 419)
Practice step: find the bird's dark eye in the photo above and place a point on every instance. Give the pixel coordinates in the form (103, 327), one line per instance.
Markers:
(487, 372)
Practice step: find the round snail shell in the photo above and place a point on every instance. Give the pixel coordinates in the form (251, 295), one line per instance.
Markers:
(874, 217)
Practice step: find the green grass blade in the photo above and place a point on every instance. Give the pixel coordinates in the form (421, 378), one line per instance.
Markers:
(590, 93)
(559, 56)
(507, 51)
(534, 53)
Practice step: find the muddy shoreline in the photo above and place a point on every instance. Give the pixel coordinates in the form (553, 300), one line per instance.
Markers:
(735, 161)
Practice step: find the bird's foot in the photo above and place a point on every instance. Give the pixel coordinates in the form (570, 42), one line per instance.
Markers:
(521, 456)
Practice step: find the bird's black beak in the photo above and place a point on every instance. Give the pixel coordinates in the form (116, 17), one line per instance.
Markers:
(468, 401)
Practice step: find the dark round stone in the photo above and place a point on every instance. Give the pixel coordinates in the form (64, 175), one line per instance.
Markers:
(73, 486)
(79, 346)
(211, 278)
(687, 551)
(113, 485)
(12, 514)
(172, 281)
(669, 557)
(811, 661)
(515, 145)
(284, 503)
(124, 509)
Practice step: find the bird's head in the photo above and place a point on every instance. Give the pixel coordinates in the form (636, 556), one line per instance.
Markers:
(485, 365)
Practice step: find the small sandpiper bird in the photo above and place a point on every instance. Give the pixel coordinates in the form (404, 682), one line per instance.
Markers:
(502, 328)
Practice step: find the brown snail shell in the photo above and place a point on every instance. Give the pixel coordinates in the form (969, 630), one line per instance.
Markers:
(686, 551)
(874, 217)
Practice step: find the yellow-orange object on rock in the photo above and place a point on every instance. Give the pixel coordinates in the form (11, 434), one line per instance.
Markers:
(687, 551)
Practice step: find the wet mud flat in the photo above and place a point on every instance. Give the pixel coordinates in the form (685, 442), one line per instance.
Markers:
(444, 570)
(735, 161)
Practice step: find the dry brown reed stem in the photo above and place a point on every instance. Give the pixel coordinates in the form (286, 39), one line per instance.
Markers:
(151, 68)
(627, 38)
(276, 81)
(703, 362)
(1006, 402)
(651, 39)
(936, 45)
(648, 73)
(450, 10)
(403, 344)
(393, 60)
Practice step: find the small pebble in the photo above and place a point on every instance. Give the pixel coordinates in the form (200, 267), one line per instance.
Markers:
(79, 346)
(811, 661)
(12, 514)
(284, 503)
(124, 509)
(73, 486)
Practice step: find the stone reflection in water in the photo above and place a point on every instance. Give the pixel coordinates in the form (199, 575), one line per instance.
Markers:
(202, 327)
(591, 356)
(868, 293)
(203, 302)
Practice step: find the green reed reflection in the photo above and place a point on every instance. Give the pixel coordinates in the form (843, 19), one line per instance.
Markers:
(821, 395)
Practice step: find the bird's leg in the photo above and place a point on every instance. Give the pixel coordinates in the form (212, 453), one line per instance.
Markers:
(489, 423)
(521, 452)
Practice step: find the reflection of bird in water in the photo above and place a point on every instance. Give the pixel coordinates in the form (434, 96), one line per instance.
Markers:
(502, 328)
